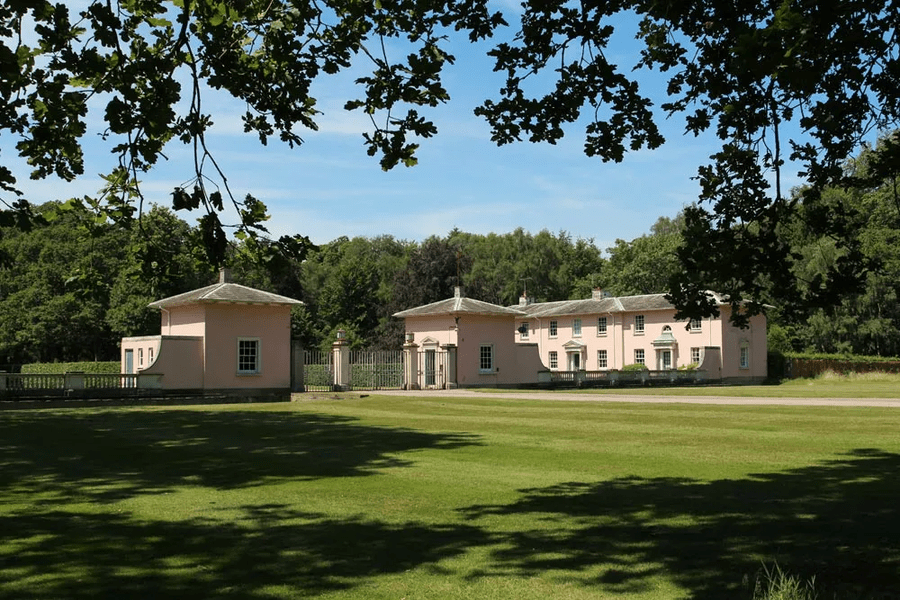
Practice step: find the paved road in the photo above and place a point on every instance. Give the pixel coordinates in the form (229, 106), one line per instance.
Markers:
(586, 397)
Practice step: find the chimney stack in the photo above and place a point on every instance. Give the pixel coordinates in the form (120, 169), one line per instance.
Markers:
(599, 294)
(224, 275)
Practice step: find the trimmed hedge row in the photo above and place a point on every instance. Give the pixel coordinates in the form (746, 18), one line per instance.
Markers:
(94, 368)
(796, 366)
(840, 357)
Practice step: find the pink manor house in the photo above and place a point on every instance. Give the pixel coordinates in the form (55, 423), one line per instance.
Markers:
(228, 338)
(466, 342)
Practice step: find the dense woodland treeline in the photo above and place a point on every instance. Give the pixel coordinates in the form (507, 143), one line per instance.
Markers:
(74, 284)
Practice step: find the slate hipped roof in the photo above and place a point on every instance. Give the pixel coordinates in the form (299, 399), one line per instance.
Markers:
(591, 306)
(459, 305)
(608, 304)
(224, 292)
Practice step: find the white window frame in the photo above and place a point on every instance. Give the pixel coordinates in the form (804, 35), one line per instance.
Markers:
(523, 335)
(149, 356)
(257, 366)
(553, 328)
(640, 357)
(486, 358)
(601, 326)
(639, 324)
(744, 360)
(696, 325)
(602, 360)
(553, 359)
(140, 357)
(696, 355)
(576, 327)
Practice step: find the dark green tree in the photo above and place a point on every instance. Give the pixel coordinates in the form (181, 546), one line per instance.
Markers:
(866, 318)
(163, 257)
(55, 286)
(645, 264)
(347, 284)
(547, 266)
(744, 70)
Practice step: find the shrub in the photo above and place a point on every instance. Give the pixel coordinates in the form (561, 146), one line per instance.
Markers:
(94, 368)
(634, 368)
(690, 367)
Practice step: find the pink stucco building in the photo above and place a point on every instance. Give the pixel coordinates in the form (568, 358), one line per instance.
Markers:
(461, 341)
(223, 337)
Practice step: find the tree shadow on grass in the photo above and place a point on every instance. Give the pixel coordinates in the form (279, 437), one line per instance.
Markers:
(110, 455)
(276, 553)
(839, 521)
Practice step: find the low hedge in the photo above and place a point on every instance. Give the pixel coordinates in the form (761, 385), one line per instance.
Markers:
(797, 365)
(94, 368)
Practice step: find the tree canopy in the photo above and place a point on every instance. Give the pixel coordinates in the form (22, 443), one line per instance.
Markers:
(805, 81)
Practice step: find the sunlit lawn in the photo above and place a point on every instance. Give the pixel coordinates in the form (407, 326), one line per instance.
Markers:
(430, 497)
(871, 385)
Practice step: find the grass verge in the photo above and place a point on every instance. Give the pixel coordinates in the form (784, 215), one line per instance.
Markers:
(827, 385)
(426, 497)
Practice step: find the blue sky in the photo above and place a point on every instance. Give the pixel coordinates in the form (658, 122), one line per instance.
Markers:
(330, 187)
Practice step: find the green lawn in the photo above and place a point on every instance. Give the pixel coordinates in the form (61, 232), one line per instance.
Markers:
(868, 385)
(429, 497)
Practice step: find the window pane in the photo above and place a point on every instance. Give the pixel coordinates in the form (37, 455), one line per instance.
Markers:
(248, 356)
(486, 362)
(639, 356)
(554, 360)
(601, 326)
(576, 327)
(639, 324)
(552, 328)
(601, 359)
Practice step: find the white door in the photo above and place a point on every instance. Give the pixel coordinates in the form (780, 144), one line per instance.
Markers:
(665, 359)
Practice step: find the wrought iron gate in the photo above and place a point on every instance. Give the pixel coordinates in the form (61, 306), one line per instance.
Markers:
(432, 369)
(376, 369)
(318, 371)
(369, 370)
